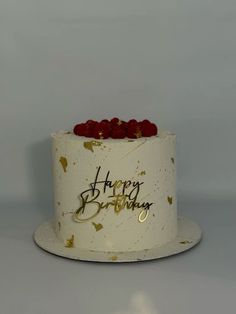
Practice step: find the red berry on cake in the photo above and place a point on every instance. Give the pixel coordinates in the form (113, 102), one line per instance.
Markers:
(148, 128)
(115, 121)
(118, 132)
(116, 128)
(134, 129)
(101, 131)
(105, 120)
(79, 129)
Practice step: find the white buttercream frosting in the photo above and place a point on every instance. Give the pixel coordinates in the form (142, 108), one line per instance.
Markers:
(115, 195)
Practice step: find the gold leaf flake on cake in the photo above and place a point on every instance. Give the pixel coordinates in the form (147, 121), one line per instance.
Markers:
(70, 242)
(64, 163)
(142, 173)
(113, 258)
(170, 200)
(185, 242)
(91, 144)
(98, 227)
(173, 160)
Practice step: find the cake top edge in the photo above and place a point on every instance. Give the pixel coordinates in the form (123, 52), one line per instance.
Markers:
(67, 135)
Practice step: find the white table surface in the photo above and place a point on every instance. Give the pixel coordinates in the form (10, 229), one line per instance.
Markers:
(202, 280)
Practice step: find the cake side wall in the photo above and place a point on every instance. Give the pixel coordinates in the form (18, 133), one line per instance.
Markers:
(115, 196)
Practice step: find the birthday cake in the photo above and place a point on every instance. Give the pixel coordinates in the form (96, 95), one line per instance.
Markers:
(114, 186)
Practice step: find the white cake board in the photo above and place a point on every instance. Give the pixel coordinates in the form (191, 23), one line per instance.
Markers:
(189, 234)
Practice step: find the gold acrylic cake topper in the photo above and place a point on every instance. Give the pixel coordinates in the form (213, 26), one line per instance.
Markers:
(121, 195)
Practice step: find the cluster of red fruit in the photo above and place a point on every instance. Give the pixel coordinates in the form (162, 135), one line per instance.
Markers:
(116, 128)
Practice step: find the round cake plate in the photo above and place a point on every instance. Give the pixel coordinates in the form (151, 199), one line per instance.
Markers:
(189, 234)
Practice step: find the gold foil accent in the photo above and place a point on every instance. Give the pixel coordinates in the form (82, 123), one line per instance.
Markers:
(70, 242)
(173, 160)
(59, 225)
(64, 163)
(91, 144)
(170, 200)
(138, 134)
(98, 227)
(114, 258)
(185, 242)
(58, 203)
(142, 173)
(143, 215)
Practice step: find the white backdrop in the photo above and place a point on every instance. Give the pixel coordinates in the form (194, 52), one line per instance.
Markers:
(68, 61)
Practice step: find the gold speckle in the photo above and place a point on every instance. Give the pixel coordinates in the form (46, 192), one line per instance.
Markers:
(70, 242)
(142, 173)
(59, 225)
(63, 214)
(173, 160)
(185, 242)
(114, 258)
(64, 163)
(56, 149)
(153, 215)
(58, 203)
(68, 132)
(98, 227)
(91, 144)
(138, 161)
(170, 200)
(163, 227)
(74, 163)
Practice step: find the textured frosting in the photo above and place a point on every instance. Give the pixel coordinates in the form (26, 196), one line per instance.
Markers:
(115, 195)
